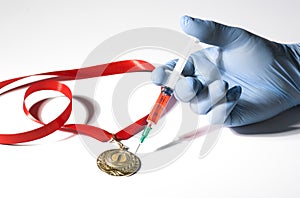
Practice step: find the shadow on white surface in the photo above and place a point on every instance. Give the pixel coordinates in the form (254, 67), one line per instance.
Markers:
(284, 124)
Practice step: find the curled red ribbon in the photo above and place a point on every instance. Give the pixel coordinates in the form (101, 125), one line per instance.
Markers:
(59, 123)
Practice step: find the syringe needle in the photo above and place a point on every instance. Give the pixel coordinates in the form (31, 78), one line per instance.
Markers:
(145, 133)
(137, 148)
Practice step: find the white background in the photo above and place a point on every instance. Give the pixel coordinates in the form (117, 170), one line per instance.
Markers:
(40, 36)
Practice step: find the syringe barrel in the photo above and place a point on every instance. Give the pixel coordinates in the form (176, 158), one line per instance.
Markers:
(176, 73)
(160, 105)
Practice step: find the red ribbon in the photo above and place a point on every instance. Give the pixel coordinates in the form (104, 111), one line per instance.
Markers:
(59, 123)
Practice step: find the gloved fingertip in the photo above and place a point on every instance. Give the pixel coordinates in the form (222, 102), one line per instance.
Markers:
(158, 76)
(221, 113)
(185, 20)
(234, 93)
(189, 68)
(187, 88)
(187, 25)
(193, 26)
(171, 64)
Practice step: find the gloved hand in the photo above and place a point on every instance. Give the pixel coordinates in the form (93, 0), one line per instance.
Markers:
(252, 77)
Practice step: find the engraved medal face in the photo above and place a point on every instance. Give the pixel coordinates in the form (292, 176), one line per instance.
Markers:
(118, 162)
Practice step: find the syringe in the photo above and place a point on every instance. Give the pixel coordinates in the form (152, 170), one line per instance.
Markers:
(166, 93)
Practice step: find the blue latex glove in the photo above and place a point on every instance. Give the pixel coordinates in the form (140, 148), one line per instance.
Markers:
(252, 77)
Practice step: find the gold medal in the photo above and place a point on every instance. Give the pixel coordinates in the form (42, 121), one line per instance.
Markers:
(118, 162)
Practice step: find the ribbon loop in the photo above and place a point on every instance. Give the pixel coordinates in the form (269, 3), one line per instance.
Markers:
(59, 123)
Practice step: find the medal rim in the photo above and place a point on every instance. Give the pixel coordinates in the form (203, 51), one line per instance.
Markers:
(105, 166)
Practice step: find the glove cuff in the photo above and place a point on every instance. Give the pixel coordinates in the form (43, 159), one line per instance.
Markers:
(293, 65)
(295, 48)
(295, 52)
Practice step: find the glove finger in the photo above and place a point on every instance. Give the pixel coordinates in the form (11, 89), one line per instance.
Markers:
(205, 69)
(160, 75)
(187, 88)
(213, 33)
(209, 96)
(221, 112)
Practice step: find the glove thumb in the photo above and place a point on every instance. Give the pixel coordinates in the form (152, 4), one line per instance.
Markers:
(213, 33)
